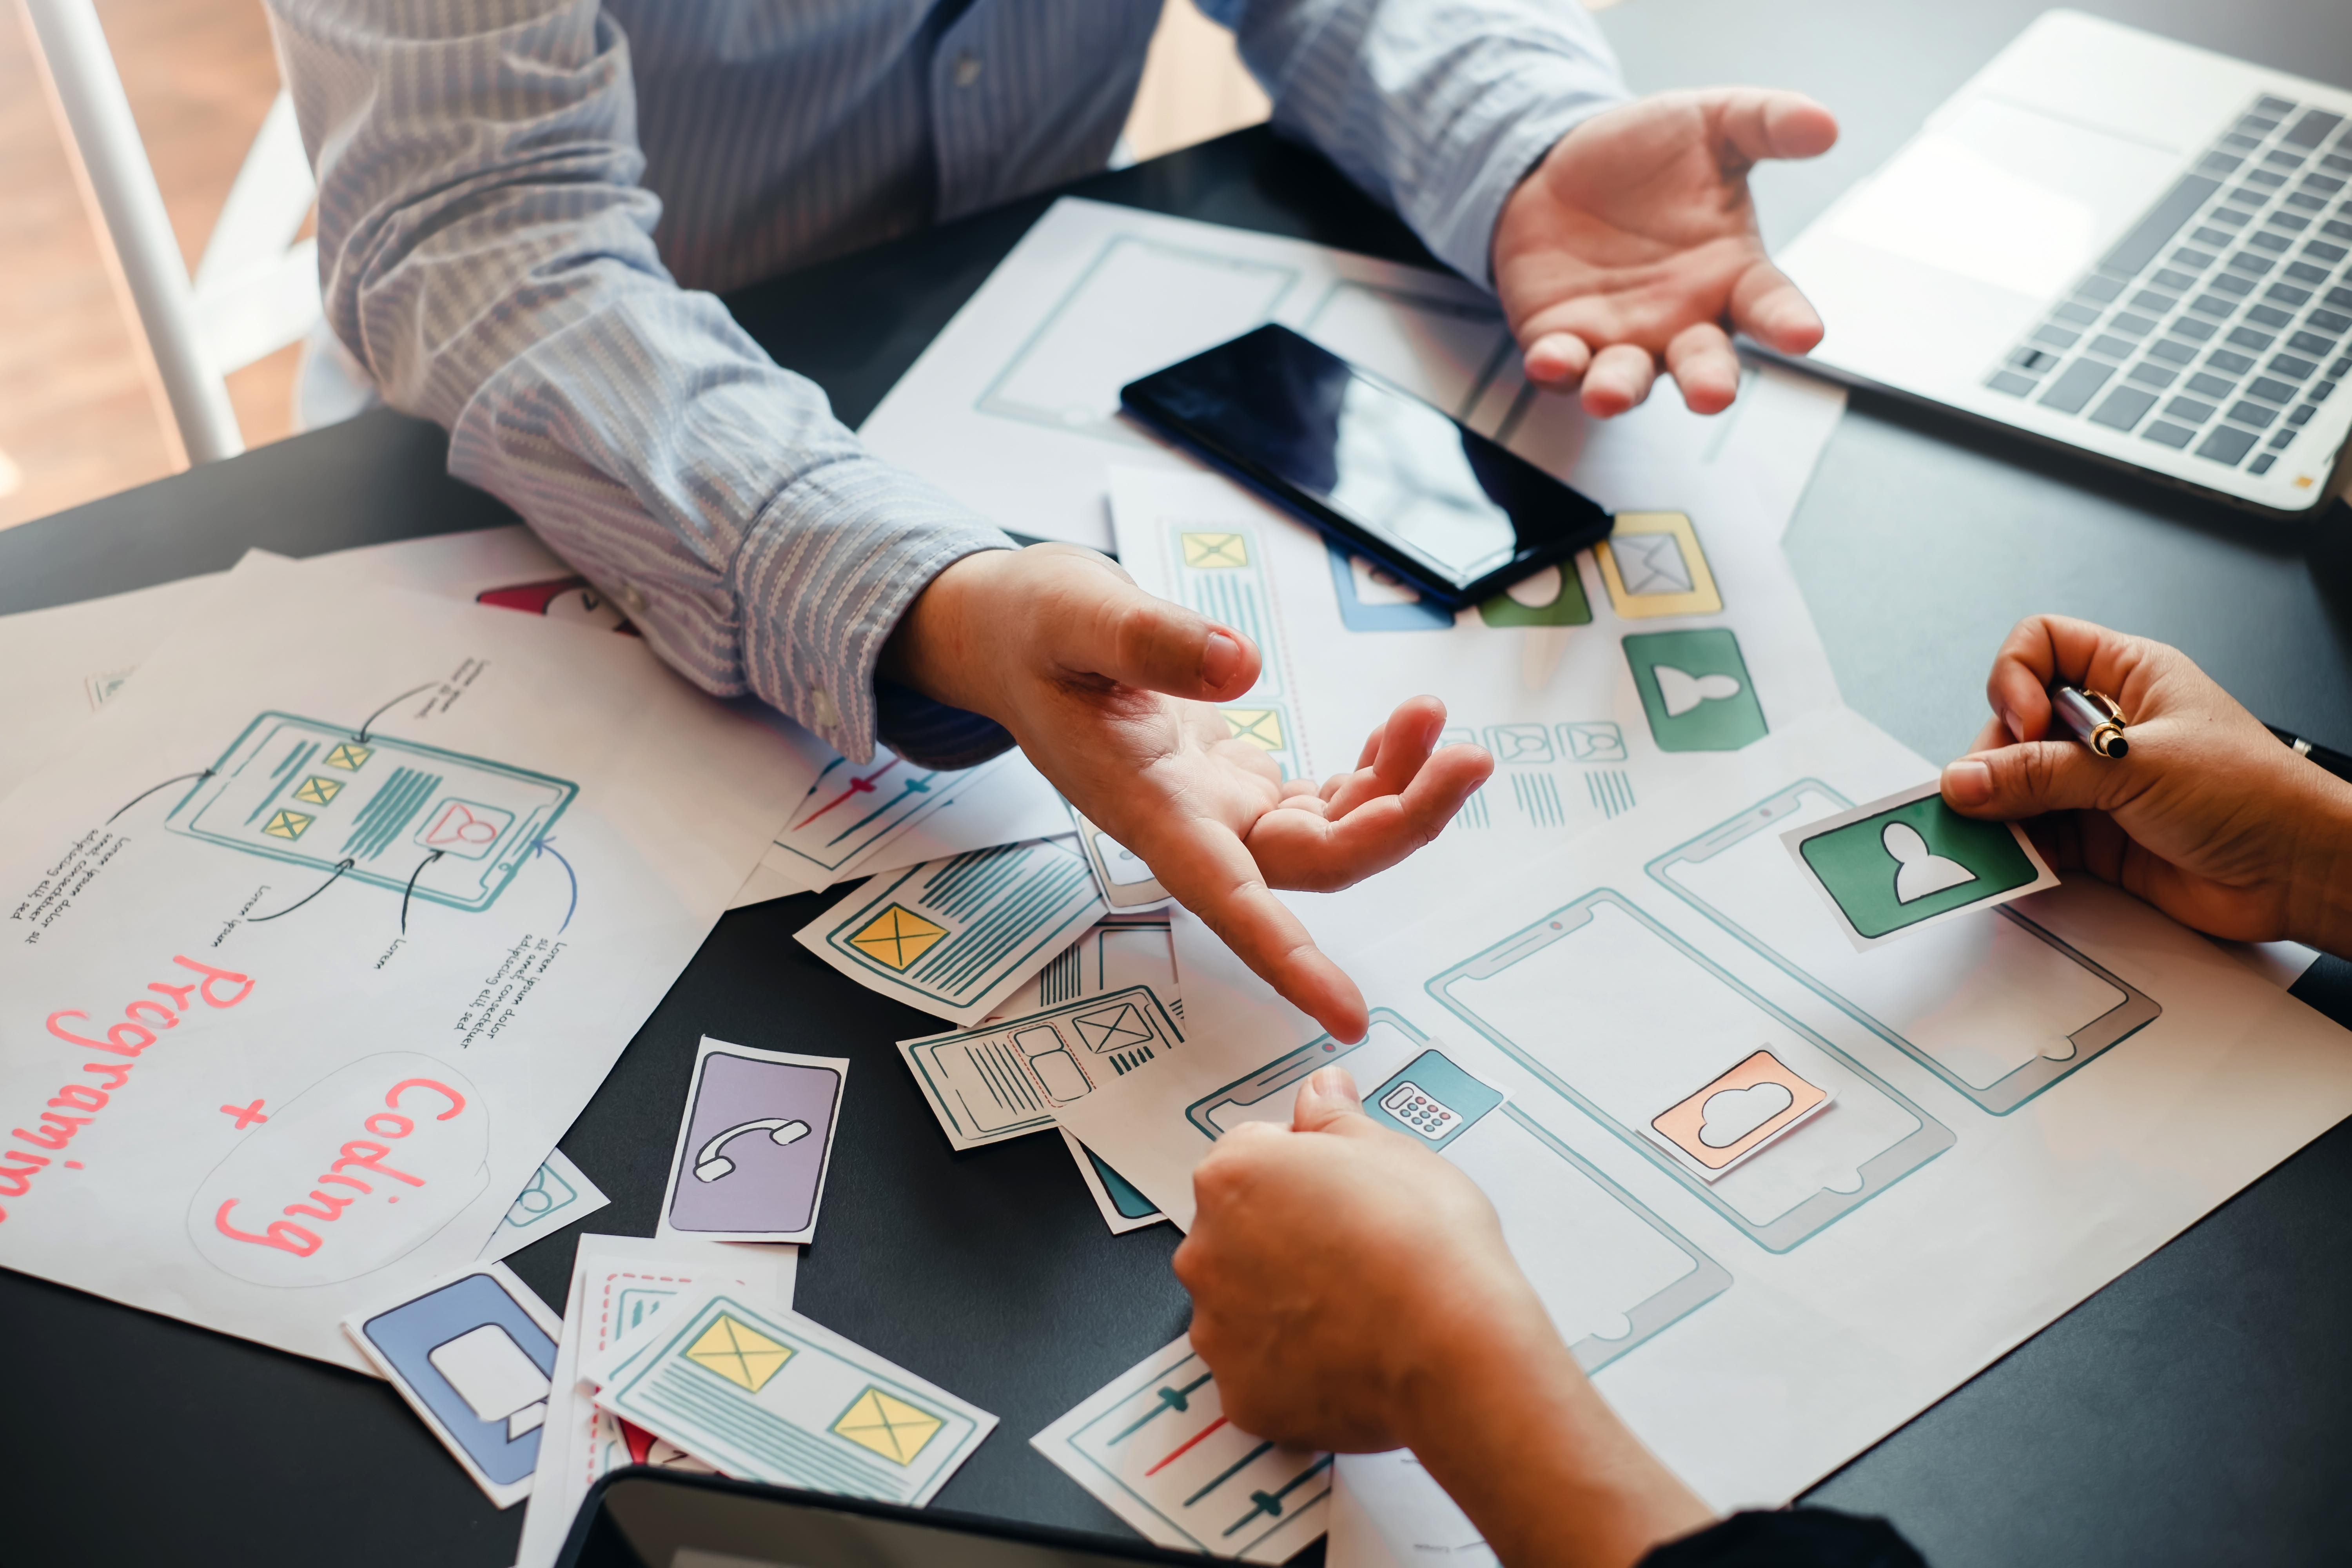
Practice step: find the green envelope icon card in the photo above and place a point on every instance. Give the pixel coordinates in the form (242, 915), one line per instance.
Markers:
(1909, 861)
(1696, 689)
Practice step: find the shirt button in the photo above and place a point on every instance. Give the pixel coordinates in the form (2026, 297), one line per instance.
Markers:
(821, 708)
(967, 69)
(633, 598)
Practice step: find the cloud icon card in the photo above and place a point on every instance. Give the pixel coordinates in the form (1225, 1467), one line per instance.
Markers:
(1738, 1115)
(1908, 861)
(752, 1151)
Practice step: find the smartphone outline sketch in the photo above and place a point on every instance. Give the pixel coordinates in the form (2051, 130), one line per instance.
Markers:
(1645, 1319)
(1783, 1232)
(498, 866)
(2101, 1034)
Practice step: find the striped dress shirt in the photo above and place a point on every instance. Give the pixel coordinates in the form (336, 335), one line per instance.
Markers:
(524, 205)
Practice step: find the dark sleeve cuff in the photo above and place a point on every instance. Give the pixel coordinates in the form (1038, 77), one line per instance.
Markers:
(1790, 1538)
(932, 733)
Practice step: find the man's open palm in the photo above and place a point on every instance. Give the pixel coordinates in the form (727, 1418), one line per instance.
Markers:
(1634, 245)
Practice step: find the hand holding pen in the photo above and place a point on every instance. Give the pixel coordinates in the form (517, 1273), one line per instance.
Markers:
(2190, 802)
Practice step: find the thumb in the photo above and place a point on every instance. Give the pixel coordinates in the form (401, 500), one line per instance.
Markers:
(1328, 1102)
(1109, 627)
(2028, 779)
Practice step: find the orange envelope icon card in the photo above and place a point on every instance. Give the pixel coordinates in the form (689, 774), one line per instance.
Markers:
(1739, 1113)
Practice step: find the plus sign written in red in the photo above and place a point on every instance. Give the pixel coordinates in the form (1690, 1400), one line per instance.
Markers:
(246, 1115)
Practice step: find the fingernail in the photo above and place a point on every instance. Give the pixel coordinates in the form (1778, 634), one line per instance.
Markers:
(2009, 722)
(1967, 783)
(1220, 659)
(1334, 1084)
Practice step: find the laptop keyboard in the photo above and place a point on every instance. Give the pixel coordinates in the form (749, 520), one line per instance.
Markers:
(2220, 323)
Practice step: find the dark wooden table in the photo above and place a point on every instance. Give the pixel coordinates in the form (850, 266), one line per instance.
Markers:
(2195, 1410)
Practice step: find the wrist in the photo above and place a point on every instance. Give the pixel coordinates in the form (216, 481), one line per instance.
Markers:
(949, 644)
(2320, 888)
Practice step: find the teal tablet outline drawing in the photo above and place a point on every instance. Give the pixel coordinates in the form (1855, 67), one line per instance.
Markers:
(1868, 867)
(1712, 705)
(2101, 1033)
(1645, 1319)
(333, 796)
(1806, 1219)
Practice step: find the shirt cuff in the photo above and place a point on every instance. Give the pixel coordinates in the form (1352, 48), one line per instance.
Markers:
(827, 570)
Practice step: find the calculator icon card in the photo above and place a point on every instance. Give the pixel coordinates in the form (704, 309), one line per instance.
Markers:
(1432, 1099)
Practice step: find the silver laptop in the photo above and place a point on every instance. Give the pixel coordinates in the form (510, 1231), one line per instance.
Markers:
(2117, 242)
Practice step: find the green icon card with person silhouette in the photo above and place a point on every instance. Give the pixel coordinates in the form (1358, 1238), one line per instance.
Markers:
(1910, 862)
(1696, 689)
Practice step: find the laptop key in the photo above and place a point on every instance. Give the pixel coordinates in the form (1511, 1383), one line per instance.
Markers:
(2225, 444)
(2247, 338)
(2270, 390)
(2211, 386)
(2329, 321)
(2198, 260)
(2154, 231)
(2213, 305)
(2283, 440)
(2176, 353)
(2305, 272)
(2301, 416)
(2103, 289)
(2294, 223)
(2188, 408)
(2312, 128)
(2287, 294)
(2034, 362)
(2080, 315)
(2218, 239)
(2075, 384)
(2288, 364)
(2269, 241)
(2325, 184)
(2233, 364)
(2252, 413)
(2124, 408)
(2319, 391)
(2339, 367)
(2178, 282)
(2278, 159)
(2232, 216)
(2190, 327)
(2267, 181)
(2123, 321)
(2261, 464)
(2270, 316)
(2341, 299)
(2008, 380)
(2231, 283)
(2057, 337)
(2331, 253)
(2307, 201)
(2151, 374)
(2173, 435)
(2247, 261)
(2338, 228)
(2312, 344)
(2114, 348)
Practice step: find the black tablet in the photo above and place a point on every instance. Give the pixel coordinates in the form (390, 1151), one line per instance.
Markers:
(642, 1517)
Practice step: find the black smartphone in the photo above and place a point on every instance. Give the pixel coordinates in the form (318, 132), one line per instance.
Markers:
(1384, 473)
(641, 1518)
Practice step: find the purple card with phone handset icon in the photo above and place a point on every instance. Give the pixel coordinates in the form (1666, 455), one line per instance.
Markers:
(753, 1150)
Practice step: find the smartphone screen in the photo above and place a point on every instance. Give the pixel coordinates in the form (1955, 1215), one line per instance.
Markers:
(1448, 509)
(1622, 1019)
(1995, 1004)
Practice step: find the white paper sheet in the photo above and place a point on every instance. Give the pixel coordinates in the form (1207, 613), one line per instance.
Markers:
(2027, 1105)
(619, 1283)
(1387, 1511)
(594, 814)
(1013, 408)
(1153, 1445)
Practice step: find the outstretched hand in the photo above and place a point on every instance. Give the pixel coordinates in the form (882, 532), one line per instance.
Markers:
(1634, 245)
(1109, 691)
(2208, 818)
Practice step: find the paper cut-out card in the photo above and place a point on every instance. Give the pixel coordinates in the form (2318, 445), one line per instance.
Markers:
(1154, 1446)
(559, 1194)
(989, 1084)
(1553, 596)
(1120, 875)
(1696, 689)
(1121, 1205)
(769, 1395)
(472, 1354)
(752, 1151)
(1738, 1114)
(1909, 861)
(1652, 565)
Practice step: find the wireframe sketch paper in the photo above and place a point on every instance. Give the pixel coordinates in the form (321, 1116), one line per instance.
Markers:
(1909, 862)
(1387, 1511)
(1120, 950)
(1013, 408)
(473, 1355)
(1121, 1202)
(619, 1284)
(327, 926)
(1012, 1076)
(770, 1395)
(1154, 1446)
(755, 1144)
(1126, 882)
(955, 937)
(559, 1194)
(2020, 1103)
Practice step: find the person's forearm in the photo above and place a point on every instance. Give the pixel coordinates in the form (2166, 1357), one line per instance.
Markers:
(1525, 1444)
(2319, 905)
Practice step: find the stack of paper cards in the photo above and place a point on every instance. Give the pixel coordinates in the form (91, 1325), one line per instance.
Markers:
(619, 1286)
(955, 937)
(1155, 1447)
(752, 1151)
(474, 1354)
(558, 1195)
(769, 1395)
(1009, 1079)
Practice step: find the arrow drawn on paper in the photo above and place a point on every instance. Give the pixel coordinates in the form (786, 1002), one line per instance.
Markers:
(362, 736)
(341, 866)
(544, 846)
(404, 892)
(167, 784)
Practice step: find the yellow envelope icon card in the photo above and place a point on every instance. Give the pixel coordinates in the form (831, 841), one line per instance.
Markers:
(1215, 552)
(1652, 565)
